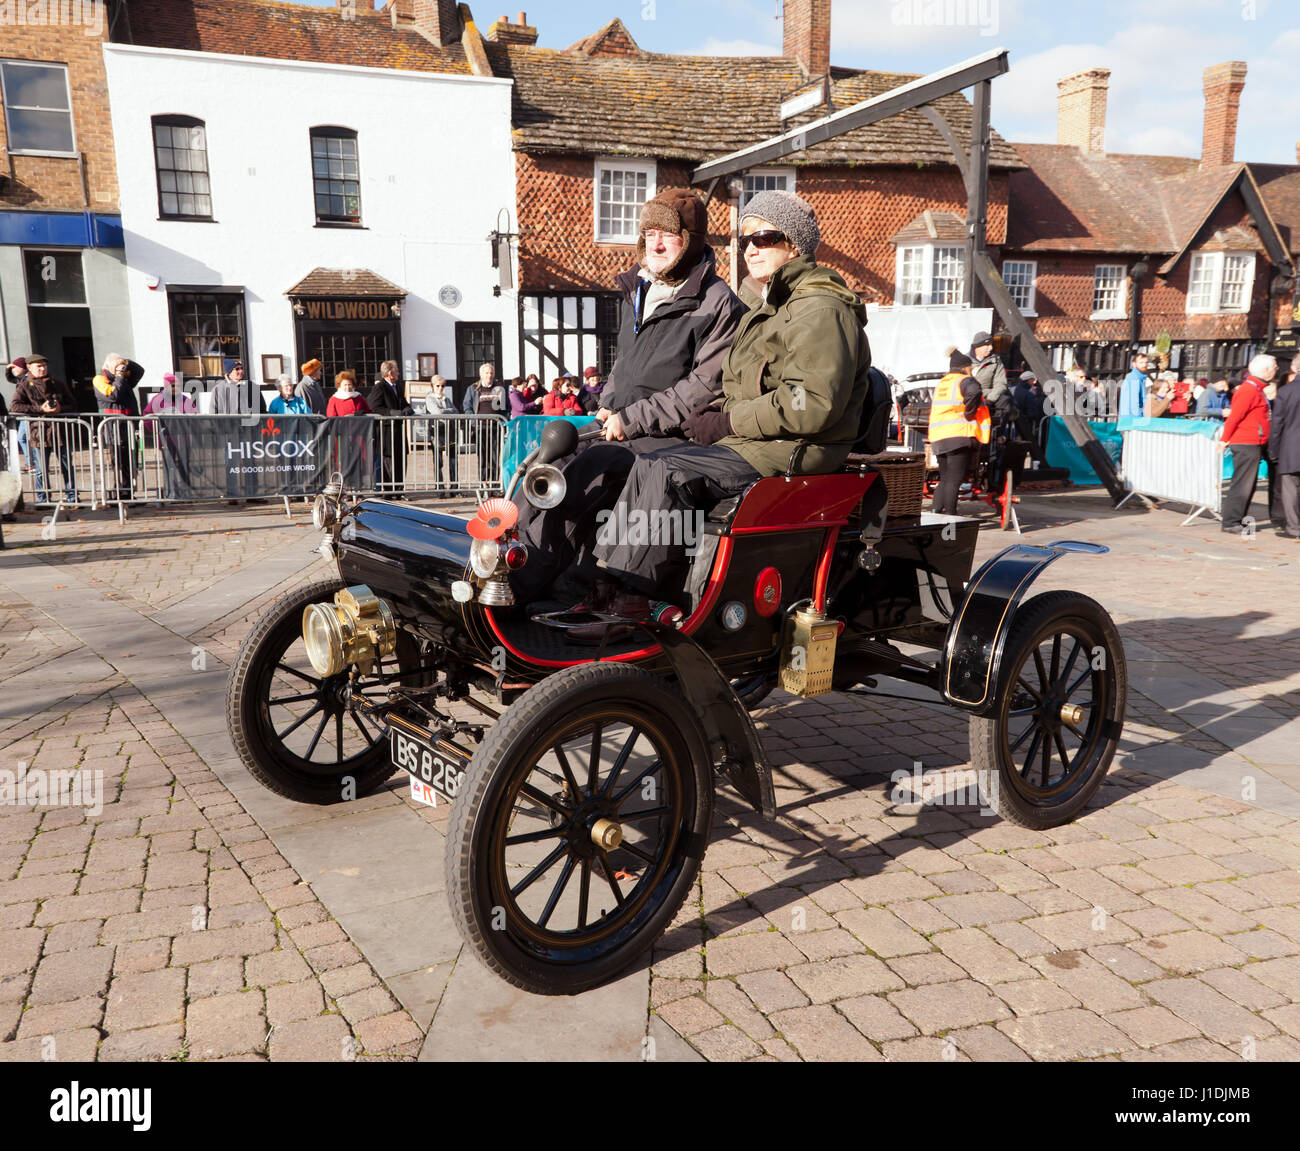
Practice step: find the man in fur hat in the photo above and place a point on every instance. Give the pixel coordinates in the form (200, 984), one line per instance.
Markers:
(678, 320)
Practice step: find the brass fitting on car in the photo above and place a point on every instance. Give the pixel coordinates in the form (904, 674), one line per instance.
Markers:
(357, 628)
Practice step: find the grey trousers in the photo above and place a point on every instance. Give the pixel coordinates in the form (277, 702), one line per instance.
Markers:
(646, 540)
(1290, 500)
(559, 539)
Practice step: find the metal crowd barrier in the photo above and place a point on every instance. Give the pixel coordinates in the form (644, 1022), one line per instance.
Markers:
(1172, 466)
(430, 456)
(438, 455)
(57, 455)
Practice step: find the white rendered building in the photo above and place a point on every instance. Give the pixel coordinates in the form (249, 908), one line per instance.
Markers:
(277, 211)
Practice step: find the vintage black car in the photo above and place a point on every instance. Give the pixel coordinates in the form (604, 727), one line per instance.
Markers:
(582, 778)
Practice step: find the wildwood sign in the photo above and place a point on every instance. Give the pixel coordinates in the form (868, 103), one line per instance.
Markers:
(348, 309)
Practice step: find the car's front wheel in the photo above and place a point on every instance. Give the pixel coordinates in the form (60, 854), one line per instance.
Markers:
(579, 828)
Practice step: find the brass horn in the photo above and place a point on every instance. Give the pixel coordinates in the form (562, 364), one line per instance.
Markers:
(544, 486)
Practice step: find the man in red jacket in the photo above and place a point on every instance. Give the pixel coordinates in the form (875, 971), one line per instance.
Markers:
(1246, 431)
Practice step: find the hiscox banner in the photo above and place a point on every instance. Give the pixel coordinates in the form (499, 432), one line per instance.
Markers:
(207, 457)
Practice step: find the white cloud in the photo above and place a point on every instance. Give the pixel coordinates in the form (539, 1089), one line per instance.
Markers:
(1157, 141)
(882, 27)
(1149, 108)
(715, 47)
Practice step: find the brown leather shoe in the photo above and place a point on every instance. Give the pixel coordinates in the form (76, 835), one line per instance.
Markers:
(628, 608)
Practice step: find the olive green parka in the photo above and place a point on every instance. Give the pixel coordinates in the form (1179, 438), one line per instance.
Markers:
(797, 370)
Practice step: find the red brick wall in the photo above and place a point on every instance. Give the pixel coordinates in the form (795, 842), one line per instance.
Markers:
(557, 224)
(616, 42)
(1222, 85)
(858, 209)
(1064, 297)
(44, 183)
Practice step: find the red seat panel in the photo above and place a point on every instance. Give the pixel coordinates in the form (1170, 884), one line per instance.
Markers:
(777, 503)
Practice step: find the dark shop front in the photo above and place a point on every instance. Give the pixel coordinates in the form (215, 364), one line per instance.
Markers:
(347, 319)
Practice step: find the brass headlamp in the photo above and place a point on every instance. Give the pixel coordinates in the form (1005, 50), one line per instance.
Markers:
(327, 510)
(357, 628)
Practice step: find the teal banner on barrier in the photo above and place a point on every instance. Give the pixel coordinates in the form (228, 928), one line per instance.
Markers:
(1063, 452)
(523, 434)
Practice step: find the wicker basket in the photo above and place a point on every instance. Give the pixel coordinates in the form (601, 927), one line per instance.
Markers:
(903, 474)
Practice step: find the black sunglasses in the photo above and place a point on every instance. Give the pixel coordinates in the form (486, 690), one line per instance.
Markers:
(767, 238)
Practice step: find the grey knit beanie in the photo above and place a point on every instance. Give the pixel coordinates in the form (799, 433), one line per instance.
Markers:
(795, 217)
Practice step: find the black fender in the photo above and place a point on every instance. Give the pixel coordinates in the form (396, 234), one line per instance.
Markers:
(972, 650)
(732, 739)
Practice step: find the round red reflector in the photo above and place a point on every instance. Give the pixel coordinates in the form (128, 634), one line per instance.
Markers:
(516, 556)
(767, 592)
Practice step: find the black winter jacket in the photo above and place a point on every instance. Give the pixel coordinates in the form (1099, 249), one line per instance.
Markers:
(1284, 431)
(671, 364)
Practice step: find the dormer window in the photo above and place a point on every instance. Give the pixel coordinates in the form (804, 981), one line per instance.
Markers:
(1220, 282)
(930, 274)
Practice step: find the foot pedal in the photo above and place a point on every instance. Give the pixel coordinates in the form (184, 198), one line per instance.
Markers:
(574, 617)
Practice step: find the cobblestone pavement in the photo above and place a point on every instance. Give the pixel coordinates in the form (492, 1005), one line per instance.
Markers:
(198, 917)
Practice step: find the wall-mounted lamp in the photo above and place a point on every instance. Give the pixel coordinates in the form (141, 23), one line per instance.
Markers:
(397, 309)
(298, 309)
(500, 239)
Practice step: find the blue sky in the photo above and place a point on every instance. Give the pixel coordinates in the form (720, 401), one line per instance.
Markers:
(1156, 51)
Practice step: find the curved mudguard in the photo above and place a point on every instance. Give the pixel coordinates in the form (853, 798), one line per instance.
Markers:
(729, 731)
(972, 652)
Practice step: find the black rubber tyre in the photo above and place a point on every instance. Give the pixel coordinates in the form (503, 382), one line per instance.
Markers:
(1062, 650)
(753, 690)
(275, 728)
(531, 806)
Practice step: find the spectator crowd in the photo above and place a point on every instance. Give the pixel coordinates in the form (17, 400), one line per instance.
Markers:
(43, 408)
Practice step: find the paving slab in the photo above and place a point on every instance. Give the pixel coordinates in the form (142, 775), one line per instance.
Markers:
(484, 1018)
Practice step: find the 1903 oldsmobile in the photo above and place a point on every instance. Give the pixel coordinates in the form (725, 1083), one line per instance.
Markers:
(580, 818)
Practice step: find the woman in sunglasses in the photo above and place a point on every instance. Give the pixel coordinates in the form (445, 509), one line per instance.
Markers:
(796, 374)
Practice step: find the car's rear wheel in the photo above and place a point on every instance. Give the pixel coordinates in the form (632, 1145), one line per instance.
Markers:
(1046, 748)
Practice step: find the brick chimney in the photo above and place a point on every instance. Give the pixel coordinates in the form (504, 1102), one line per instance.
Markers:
(520, 32)
(806, 26)
(1081, 109)
(1223, 84)
(438, 20)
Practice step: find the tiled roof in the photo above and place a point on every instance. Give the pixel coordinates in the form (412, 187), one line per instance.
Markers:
(288, 32)
(946, 227)
(699, 107)
(345, 282)
(1279, 184)
(1068, 200)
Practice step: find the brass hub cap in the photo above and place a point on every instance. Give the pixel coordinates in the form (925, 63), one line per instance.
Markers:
(1072, 713)
(606, 834)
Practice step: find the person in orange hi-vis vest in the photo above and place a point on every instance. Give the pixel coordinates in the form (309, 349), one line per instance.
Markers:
(959, 423)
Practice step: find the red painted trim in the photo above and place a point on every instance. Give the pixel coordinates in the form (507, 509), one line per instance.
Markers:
(822, 578)
(769, 529)
(720, 564)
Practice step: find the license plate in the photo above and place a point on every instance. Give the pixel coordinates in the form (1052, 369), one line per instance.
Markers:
(440, 770)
